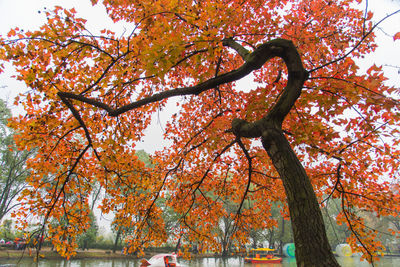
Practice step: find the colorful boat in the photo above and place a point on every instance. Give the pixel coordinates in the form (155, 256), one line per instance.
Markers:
(262, 255)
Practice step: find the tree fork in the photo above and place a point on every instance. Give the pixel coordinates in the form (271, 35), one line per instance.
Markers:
(312, 246)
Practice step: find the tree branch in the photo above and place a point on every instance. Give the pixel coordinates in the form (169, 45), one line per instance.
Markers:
(255, 60)
(243, 52)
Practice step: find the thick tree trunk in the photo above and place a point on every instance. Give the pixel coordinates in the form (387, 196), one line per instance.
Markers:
(312, 246)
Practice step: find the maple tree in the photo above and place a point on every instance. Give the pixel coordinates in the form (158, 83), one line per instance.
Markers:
(326, 128)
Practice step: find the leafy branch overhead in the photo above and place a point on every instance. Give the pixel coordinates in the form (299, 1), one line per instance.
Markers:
(327, 130)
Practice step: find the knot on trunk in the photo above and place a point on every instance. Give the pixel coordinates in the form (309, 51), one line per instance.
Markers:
(237, 125)
(242, 128)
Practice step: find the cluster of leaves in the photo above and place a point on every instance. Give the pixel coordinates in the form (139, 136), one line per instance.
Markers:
(93, 97)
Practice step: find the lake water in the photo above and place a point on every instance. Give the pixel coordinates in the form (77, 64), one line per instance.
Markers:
(207, 262)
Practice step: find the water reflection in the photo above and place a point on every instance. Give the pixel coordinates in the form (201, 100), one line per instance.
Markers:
(203, 262)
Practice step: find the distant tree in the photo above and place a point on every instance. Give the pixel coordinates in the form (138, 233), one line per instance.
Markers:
(144, 157)
(337, 233)
(256, 237)
(227, 226)
(281, 233)
(117, 239)
(123, 226)
(6, 231)
(284, 234)
(13, 169)
(86, 239)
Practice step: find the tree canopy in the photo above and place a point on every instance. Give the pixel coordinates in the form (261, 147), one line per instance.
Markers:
(326, 128)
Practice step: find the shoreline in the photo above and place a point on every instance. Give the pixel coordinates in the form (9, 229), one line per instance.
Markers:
(47, 253)
(53, 255)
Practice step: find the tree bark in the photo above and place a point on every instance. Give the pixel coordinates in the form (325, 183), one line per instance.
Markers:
(312, 246)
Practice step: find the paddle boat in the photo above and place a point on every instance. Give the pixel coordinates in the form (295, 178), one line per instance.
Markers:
(262, 255)
(161, 260)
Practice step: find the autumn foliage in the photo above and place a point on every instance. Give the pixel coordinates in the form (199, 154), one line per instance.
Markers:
(93, 95)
